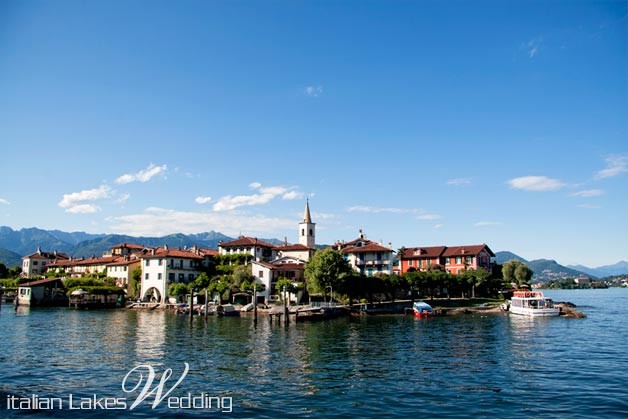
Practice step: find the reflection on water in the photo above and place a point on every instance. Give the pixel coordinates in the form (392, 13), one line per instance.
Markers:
(150, 336)
(470, 365)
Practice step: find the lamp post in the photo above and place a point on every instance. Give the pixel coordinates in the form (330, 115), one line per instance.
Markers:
(285, 306)
(255, 304)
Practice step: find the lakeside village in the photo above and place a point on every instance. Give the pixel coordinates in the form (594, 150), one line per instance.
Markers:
(249, 274)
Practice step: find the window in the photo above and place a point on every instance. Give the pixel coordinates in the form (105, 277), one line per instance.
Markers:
(261, 274)
(458, 260)
(147, 262)
(191, 263)
(35, 263)
(159, 262)
(159, 275)
(410, 263)
(468, 259)
(171, 277)
(146, 276)
(447, 260)
(43, 263)
(303, 232)
(124, 268)
(311, 232)
(191, 277)
(181, 277)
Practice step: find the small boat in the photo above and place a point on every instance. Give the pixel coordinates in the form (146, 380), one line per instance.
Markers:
(227, 310)
(422, 309)
(532, 303)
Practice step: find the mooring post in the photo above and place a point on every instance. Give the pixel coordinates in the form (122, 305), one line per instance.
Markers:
(191, 304)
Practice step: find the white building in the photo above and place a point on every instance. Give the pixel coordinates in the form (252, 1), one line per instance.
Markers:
(36, 263)
(367, 257)
(289, 261)
(163, 266)
(258, 249)
(122, 270)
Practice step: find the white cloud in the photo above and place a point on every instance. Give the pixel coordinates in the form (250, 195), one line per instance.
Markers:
(313, 91)
(487, 224)
(616, 165)
(203, 199)
(292, 195)
(123, 198)
(459, 181)
(588, 193)
(160, 221)
(321, 216)
(75, 203)
(4, 202)
(143, 175)
(429, 217)
(532, 47)
(536, 183)
(378, 210)
(83, 209)
(589, 206)
(264, 196)
(438, 226)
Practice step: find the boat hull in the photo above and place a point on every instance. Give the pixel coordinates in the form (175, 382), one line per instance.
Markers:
(545, 312)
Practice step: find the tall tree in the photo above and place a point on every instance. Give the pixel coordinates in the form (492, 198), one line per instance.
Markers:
(517, 272)
(327, 268)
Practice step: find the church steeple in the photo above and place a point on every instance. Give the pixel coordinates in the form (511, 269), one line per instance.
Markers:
(307, 218)
(307, 229)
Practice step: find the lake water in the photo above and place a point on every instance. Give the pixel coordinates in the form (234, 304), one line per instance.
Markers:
(468, 365)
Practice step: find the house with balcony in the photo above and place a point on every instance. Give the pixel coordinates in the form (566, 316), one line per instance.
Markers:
(453, 259)
(122, 269)
(366, 257)
(37, 263)
(78, 267)
(421, 258)
(164, 266)
(258, 249)
(268, 273)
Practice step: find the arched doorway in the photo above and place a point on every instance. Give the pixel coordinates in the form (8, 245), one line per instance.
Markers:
(152, 295)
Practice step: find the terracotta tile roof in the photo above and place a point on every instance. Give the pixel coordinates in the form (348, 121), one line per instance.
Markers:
(39, 282)
(105, 260)
(368, 247)
(290, 267)
(424, 252)
(128, 246)
(467, 250)
(176, 253)
(264, 264)
(208, 252)
(124, 262)
(46, 255)
(247, 241)
(293, 247)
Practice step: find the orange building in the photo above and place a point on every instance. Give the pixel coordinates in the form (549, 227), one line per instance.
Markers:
(455, 260)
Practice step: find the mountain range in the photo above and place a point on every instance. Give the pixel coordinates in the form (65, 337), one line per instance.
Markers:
(16, 243)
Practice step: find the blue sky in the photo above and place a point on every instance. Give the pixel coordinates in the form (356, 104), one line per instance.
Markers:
(423, 123)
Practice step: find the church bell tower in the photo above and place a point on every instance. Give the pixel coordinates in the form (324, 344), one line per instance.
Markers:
(307, 229)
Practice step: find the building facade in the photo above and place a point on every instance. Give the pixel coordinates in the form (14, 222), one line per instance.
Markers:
(454, 259)
(366, 257)
(37, 263)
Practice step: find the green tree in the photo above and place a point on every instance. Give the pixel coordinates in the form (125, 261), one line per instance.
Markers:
(284, 283)
(4, 272)
(523, 274)
(508, 270)
(178, 289)
(136, 281)
(327, 268)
